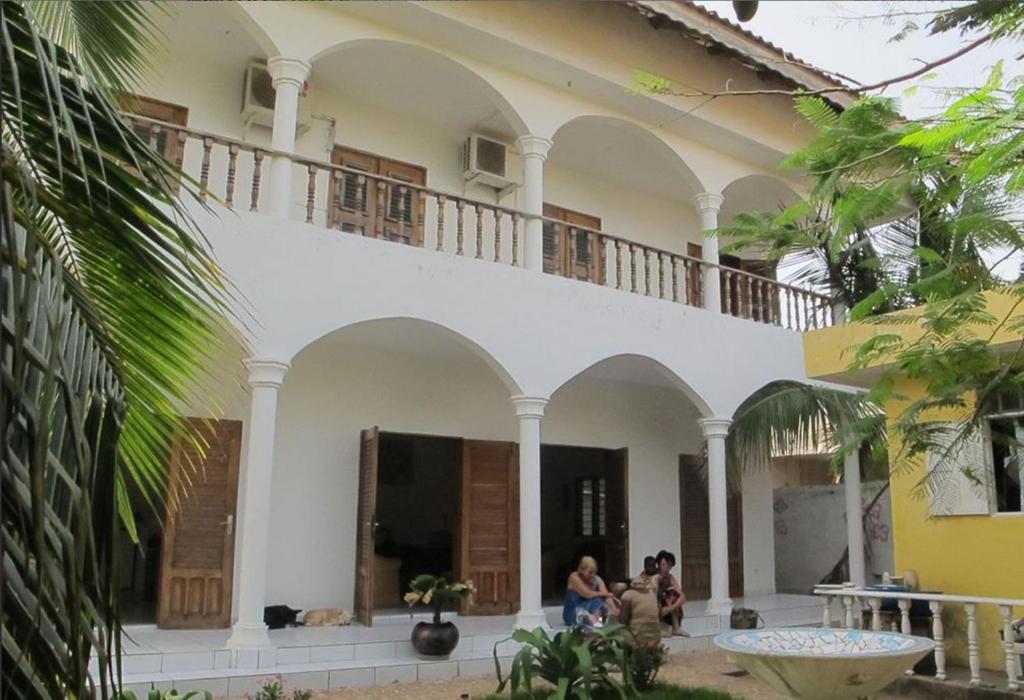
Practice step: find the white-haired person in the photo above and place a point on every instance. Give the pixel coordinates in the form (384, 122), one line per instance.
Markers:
(587, 600)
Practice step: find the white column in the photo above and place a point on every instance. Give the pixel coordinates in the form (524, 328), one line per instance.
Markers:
(534, 150)
(529, 410)
(854, 523)
(708, 205)
(265, 378)
(715, 431)
(288, 75)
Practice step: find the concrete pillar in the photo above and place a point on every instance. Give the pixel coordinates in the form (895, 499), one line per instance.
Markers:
(288, 76)
(854, 522)
(265, 378)
(529, 411)
(715, 431)
(708, 206)
(534, 150)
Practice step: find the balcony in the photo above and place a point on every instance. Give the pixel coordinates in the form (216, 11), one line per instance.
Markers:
(233, 174)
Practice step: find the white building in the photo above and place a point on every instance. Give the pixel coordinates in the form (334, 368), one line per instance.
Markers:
(531, 334)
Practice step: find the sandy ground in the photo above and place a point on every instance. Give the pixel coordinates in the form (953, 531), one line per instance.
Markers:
(696, 669)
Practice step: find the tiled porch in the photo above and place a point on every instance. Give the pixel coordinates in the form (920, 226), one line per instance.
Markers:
(331, 657)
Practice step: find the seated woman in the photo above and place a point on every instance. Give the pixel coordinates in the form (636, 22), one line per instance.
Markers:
(670, 594)
(639, 612)
(587, 600)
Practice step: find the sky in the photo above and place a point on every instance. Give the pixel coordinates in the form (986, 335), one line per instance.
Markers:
(853, 39)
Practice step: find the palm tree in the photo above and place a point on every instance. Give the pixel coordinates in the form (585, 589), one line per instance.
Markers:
(112, 308)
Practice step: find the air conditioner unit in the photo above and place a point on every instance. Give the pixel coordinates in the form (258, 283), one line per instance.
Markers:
(489, 162)
(258, 95)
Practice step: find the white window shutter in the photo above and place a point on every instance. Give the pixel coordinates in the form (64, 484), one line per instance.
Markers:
(962, 483)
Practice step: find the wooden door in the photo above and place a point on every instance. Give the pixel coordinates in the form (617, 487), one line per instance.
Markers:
(377, 208)
(197, 561)
(366, 517)
(695, 561)
(617, 504)
(489, 526)
(570, 251)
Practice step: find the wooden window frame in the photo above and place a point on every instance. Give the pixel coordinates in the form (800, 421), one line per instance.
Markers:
(598, 507)
(561, 260)
(159, 110)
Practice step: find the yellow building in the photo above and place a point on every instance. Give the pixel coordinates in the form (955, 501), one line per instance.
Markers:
(972, 544)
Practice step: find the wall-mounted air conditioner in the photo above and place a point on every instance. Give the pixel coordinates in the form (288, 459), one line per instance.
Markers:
(258, 96)
(489, 162)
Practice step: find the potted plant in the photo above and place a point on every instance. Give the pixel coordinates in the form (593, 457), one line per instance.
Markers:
(436, 638)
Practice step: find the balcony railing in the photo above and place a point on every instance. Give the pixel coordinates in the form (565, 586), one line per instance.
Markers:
(376, 206)
(853, 605)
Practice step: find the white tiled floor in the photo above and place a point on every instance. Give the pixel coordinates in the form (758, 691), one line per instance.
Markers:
(322, 657)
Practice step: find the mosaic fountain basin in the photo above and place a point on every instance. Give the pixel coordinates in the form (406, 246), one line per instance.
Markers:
(824, 663)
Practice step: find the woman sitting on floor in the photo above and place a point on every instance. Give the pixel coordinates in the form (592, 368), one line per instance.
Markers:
(670, 594)
(587, 599)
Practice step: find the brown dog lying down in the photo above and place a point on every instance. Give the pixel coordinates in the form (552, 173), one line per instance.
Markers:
(327, 617)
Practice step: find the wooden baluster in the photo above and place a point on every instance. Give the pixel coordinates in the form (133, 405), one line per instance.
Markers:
(727, 296)
(632, 267)
(572, 250)
(937, 636)
(229, 188)
(876, 613)
(826, 611)
(154, 136)
(460, 208)
(602, 260)
(379, 209)
(591, 258)
(661, 276)
(973, 654)
(257, 168)
(441, 201)
(1012, 664)
(334, 203)
(675, 277)
(421, 215)
(179, 152)
(748, 304)
(515, 239)
(401, 227)
(479, 232)
(204, 172)
(310, 193)
(647, 272)
(497, 234)
(618, 264)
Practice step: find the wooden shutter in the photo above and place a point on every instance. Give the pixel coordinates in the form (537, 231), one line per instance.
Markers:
(696, 532)
(570, 251)
(373, 208)
(197, 560)
(617, 505)
(163, 142)
(489, 526)
(961, 483)
(694, 283)
(366, 516)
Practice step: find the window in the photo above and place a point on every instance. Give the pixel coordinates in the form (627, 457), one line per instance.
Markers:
(571, 249)
(1007, 445)
(591, 507)
(159, 138)
(359, 206)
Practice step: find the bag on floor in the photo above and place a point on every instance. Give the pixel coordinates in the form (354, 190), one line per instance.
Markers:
(745, 619)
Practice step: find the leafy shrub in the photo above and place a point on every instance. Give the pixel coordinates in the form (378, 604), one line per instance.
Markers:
(578, 665)
(644, 663)
(172, 694)
(274, 690)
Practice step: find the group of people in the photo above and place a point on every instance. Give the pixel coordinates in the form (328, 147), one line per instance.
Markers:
(650, 598)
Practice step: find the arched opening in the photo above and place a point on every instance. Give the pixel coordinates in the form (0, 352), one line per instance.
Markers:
(380, 425)
(616, 176)
(616, 437)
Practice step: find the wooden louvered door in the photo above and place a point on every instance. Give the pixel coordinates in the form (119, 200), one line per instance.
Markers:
(570, 251)
(489, 526)
(616, 568)
(376, 208)
(366, 520)
(695, 562)
(199, 540)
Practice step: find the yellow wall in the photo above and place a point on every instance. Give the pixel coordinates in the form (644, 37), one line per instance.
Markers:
(958, 555)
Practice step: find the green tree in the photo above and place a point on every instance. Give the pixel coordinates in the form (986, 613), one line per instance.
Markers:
(112, 307)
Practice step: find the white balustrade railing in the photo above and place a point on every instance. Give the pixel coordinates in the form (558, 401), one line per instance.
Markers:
(376, 206)
(853, 599)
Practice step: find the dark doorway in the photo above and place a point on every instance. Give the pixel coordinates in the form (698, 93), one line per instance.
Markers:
(140, 563)
(417, 512)
(583, 512)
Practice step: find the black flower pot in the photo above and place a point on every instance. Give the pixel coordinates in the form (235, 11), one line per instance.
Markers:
(435, 638)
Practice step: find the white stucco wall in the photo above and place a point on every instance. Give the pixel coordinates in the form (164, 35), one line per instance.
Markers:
(810, 534)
